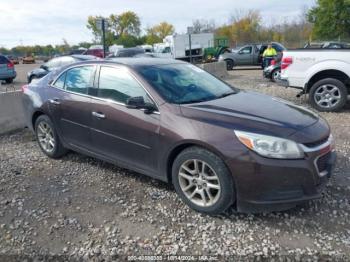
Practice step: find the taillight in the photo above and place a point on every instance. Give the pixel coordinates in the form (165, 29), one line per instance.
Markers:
(23, 88)
(273, 62)
(10, 65)
(286, 61)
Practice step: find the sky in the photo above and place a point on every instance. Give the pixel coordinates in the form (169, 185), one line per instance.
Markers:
(30, 22)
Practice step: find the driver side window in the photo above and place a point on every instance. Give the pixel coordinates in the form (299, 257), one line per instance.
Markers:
(118, 85)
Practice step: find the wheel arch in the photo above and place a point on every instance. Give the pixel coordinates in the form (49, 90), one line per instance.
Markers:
(177, 149)
(35, 116)
(329, 73)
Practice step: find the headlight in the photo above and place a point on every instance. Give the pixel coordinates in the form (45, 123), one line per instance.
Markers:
(269, 146)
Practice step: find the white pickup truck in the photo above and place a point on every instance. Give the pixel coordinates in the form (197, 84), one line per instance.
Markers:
(323, 74)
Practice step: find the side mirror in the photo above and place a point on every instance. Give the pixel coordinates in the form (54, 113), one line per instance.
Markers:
(139, 103)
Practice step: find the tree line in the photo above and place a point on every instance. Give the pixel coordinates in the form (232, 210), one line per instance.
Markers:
(327, 20)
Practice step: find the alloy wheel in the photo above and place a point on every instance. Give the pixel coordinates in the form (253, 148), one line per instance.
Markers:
(199, 182)
(327, 96)
(46, 137)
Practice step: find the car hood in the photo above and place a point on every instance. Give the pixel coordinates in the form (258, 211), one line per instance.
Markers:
(254, 112)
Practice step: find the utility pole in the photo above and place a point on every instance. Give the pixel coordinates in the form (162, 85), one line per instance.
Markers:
(190, 32)
(104, 36)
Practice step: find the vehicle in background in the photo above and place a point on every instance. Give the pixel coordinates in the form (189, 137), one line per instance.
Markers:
(29, 59)
(79, 51)
(7, 70)
(328, 45)
(147, 48)
(221, 45)
(177, 46)
(324, 74)
(13, 59)
(273, 71)
(228, 148)
(95, 52)
(248, 55)
(54, 64)
(127, 52)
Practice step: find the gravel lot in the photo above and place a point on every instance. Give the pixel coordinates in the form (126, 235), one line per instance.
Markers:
(81, 208)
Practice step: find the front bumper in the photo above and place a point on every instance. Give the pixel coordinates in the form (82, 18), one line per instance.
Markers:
(265, 185)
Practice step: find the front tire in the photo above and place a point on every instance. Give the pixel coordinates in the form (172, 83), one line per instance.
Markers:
(47, 138)
(202, 181)
(328, 95)
(229, 64)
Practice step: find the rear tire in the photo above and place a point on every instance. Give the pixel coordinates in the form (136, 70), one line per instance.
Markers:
(9, 81)
(203, 181)
(328, 95)
(47, 138)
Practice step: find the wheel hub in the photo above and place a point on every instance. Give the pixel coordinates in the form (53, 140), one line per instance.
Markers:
(199, 182)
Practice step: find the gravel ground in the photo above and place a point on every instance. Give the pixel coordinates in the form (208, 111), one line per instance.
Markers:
(78, 208)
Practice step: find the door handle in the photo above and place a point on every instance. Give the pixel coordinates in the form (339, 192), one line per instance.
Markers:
(98, 115)
(54, 101)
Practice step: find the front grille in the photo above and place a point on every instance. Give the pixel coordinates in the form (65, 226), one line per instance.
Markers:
(322, 162)
(317, 143)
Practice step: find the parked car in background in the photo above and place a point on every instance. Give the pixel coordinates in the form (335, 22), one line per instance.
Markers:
(228, 147)
(273, 71)
(79, 51)
(95, 52)
(13, 59)
(328, 45)
(55, 63)
(324, 74)
(127, 52)
(248, 55)
(28, 60)
(7, 70)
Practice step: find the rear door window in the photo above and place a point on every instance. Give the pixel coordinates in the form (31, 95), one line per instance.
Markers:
(79, 79)
(3, 60)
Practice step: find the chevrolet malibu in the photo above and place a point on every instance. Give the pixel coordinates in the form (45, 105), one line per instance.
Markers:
(219, 146)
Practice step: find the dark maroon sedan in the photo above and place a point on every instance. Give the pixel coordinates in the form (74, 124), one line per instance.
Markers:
(219, 146)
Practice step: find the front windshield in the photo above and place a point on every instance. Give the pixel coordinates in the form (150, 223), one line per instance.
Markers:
(185, 83)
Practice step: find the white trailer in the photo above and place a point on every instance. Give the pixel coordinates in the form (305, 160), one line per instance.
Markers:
(178, 46)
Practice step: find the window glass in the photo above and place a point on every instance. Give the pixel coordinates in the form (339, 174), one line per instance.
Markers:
(79, 79)
(247, 50)
(119, 85)
(60, 81)
(185, 83)
(3, 60)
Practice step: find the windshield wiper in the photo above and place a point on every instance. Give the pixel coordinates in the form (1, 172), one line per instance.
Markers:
(226, 94)
(197, 100)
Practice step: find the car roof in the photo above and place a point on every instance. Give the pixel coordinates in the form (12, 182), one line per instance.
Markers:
(83, 57)
(134, 62)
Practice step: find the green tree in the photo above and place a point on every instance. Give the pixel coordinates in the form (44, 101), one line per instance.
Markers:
(97, 33)
(331, 19)
(127, 23)
(158, 32)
